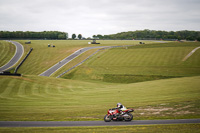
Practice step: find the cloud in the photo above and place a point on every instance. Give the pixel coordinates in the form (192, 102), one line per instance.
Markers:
(90, 17)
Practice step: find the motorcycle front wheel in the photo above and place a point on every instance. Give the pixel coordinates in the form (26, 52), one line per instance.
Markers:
(107, 118)
(129, 117)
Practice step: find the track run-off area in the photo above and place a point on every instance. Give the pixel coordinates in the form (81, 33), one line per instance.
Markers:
(93, 123)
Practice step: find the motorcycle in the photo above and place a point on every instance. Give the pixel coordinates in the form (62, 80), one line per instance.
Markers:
(118, 115)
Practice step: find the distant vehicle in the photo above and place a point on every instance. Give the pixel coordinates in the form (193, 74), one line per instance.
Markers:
(28, 42)
(94, 42)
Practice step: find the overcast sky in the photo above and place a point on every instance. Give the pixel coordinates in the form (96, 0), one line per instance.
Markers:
(91, 17)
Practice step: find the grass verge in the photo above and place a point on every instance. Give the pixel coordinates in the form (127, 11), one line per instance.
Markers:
(176, 128)
(7, 51)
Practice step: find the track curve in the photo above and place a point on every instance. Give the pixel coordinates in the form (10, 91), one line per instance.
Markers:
(18, 54)
(60, 64)
(92, 123)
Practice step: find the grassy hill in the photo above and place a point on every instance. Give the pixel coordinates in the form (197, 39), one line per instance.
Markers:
(7, 51)
(140, 63)
(44, 57)
(41, 98)
(98, 84)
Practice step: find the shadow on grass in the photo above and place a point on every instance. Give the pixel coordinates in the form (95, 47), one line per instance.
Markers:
(128, 78)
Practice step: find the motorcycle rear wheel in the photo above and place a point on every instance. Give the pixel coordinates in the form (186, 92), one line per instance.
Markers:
(128, 118)
(107, 118)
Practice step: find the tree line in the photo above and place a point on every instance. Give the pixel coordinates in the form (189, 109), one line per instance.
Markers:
(153, 34)
(33, 35)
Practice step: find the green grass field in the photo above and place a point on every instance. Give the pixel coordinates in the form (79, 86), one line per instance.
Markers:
(150, 78)
(34, 98)
(7, 51)
(140, 63)
(182, 128)
(44, 57)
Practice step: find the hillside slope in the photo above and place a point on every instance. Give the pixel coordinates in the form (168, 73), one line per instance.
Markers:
(43, 57)
(140, 63)
(42, 98)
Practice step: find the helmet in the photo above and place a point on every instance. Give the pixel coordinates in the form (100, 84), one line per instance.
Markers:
(119, 105)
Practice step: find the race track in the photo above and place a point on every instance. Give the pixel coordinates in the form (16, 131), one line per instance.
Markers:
(92, 123)
(60, 64)
(18, 54)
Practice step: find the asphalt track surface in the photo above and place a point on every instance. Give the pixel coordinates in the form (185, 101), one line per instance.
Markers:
(18, 54)
(92, 123)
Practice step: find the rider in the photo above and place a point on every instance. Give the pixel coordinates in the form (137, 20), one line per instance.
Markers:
(121, 107)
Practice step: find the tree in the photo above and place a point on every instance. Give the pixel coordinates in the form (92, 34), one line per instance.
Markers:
(80, 36)
(73, 36)
(61, 36)
(99, 36)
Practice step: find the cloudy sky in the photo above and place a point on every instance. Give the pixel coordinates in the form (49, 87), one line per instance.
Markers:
(91, 17)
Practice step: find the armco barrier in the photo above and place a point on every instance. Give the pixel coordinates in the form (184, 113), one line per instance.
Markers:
(23, 60)
(10, 74)
(78, 63)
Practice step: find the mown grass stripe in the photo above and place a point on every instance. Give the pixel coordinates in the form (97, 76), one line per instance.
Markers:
(37, 92)
(24, 90)
(3, 52)
(3, 83)
(52, 92)
(8, 90)
(7, 50)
